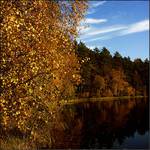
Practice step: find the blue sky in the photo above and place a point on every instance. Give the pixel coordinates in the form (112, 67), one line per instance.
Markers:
(121, 26)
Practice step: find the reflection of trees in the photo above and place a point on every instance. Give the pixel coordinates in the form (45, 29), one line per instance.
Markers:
(139, 118)
(99, 125)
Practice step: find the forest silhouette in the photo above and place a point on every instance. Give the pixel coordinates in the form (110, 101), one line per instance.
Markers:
(106, 75)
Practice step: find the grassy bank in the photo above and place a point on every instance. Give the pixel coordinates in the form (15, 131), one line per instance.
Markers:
(82, 100)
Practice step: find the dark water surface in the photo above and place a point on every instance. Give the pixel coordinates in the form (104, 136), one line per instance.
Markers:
(114, 124)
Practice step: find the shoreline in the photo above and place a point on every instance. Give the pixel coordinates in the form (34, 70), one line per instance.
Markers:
(100, 99)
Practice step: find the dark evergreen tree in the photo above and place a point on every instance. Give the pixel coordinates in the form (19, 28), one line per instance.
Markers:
(104, 75)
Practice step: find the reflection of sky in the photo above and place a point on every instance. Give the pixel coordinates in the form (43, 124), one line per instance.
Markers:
(137, 141)
(118, 25)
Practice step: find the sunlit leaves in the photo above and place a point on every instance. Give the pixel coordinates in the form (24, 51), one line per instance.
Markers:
(38, 61)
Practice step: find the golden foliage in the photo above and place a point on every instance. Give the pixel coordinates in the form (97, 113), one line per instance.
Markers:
(119, 84)
(37, 59)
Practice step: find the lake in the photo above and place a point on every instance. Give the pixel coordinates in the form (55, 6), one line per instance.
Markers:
(122, 124)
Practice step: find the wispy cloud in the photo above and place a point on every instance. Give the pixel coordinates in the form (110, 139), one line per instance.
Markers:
(94, 21)
(91, 11)
(105, 30)
(96, 4)
(99, 38)
(94, 46)
(136, 27)
(93, 5)
(85, 24)
(94, 34)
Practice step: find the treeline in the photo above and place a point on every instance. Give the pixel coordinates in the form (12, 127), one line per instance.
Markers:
(107, 75)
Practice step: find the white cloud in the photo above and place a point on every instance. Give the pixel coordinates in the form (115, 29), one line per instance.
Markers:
(91, 11)
(106, 30)
(94, 46)
(96, 4)
(85, 24)
(110, 32)
(91, 47)
(136, 27)
(93, 5)
(94, 21)
(99, 38)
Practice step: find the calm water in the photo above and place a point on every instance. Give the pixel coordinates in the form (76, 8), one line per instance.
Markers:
(114, 124)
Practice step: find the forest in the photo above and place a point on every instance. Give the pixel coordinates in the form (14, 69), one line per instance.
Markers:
(106, 75)
(41, 64)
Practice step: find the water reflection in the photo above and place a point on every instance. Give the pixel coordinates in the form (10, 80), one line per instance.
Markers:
(114, 124)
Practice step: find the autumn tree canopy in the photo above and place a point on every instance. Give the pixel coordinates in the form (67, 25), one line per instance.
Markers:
(37, 59)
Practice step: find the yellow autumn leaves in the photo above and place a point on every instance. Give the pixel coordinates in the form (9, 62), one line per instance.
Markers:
(38, 63)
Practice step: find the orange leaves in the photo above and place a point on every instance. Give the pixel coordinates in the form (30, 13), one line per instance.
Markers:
(38, 61)
(119, 84)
